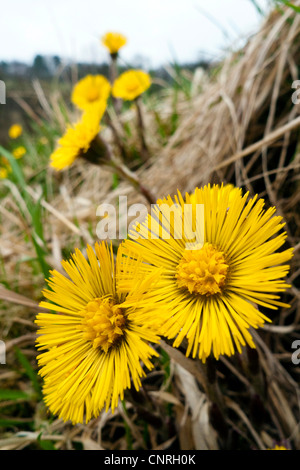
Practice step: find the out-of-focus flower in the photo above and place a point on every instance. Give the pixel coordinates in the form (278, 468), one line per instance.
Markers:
(3, 172)
(113, 42)
(5, 167)
(78, 139)
(131, 84)
(90, 90)
(19, 152)
(278, 447)
(15, 131)
(44, 141)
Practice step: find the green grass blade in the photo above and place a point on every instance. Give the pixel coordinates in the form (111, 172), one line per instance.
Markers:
(16, 169)
(29, 371)
(13, 395)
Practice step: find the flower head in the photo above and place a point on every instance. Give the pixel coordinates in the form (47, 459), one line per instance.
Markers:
(93, 347)
(278, 447)
(213, 287)
(5, 167)
(90, 90)
(78, 138)
(19, 152)
(113, 42)
(131, 84)
(15, 131)
(3, 172)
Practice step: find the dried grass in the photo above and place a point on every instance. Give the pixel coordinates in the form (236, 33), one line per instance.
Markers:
(242, 128)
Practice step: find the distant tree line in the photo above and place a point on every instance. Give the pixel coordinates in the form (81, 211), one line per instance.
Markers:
(48, 67)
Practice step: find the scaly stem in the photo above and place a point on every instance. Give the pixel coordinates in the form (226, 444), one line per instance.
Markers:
(101, 154)
(118, 139)
(141, 129)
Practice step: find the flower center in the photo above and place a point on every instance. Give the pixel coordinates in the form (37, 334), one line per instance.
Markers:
(92, 94)
(103, 323)
(202, 271)
(132, 86)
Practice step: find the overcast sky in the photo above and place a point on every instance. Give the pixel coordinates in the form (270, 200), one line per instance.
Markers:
(161, 30)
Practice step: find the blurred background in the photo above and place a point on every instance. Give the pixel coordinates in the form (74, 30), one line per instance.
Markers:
(59, 41)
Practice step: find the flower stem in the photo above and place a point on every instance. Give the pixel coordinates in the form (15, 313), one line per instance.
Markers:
(101, 154)
(141, 130)
(113, 73)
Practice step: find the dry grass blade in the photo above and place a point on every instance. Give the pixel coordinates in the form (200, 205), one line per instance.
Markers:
(203, 434)
(10, 296)
(191, 366)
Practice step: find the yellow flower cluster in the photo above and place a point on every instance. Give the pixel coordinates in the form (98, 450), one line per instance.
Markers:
(4, 172)
(113, 42)
(91, 95)
(209, 296)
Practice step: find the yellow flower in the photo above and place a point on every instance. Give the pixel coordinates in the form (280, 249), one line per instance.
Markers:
(129, 85)
(15, 131)
(94, 346)
(78, 139)
(89, 90)
(212, 288)
(5, 167)
(277, 447)
(113, 42)
(3, 173)
(19, 152)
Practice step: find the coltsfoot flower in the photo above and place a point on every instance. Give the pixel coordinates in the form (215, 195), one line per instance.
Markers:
(15, 131)
(131, 84)
(3, 172)
(19, 152)
(113, 42)
(213, 291)
(78, 138)
(90, 90)
(94, 346)
(5, 167)
(278, 447)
